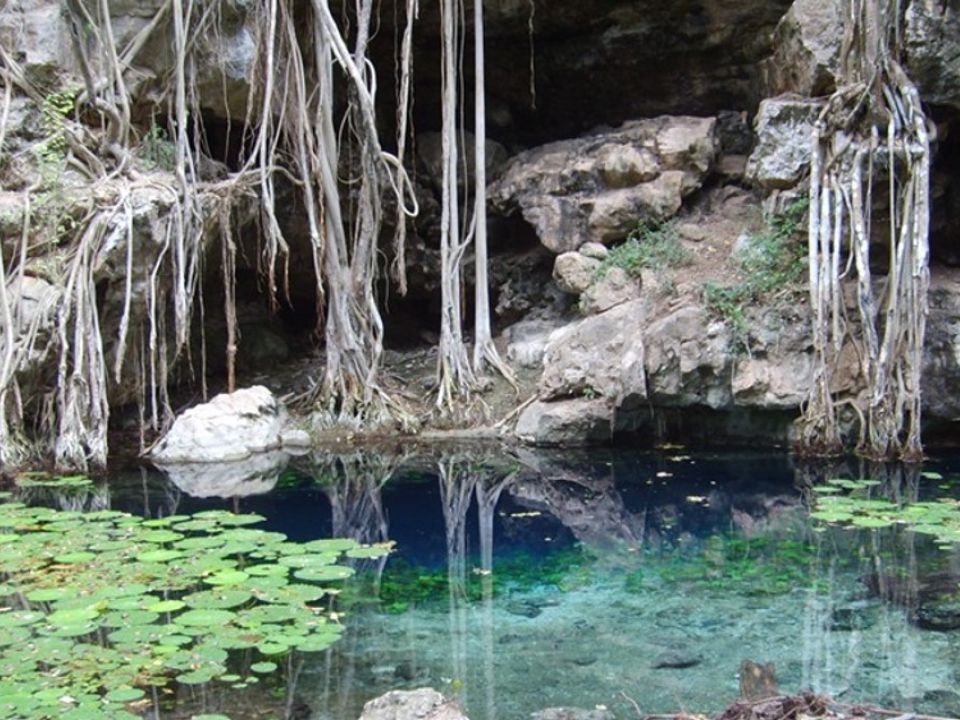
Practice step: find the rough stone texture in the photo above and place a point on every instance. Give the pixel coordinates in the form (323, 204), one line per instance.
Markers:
(932, 46)
(256, 475)
(806, 49)
(574, 272)
(598, 187)
(572, 714)
(603, 354)
(688, 360)
(421, 704)
(616, 287)
(228, 428)
(784, 126)
(594, 250)
(527, 341)
(570, 423)
(39, 34)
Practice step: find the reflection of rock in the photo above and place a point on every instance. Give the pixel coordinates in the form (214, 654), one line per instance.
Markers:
(422, 704)
(572, 714)
(591, 508)
(230, 427)
(254, 476)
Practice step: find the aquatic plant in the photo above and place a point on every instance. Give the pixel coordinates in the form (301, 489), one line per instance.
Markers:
(734, 564)
(98, 608)
(848, 503)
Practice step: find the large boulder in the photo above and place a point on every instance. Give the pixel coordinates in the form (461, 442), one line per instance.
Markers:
(688, 356)
(602, 355)
(421, 704)
(932, 47)
(784, 128)
(231, 427)
(568, 423)
(597, 188)
(806, 49)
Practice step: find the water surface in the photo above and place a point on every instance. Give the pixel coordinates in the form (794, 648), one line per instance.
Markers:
(522, 581)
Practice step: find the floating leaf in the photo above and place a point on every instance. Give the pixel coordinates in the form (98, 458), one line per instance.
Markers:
(205, 617)
(263, 667)
(324, 573)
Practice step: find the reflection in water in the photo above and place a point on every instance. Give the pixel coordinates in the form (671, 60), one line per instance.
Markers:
(578, 577)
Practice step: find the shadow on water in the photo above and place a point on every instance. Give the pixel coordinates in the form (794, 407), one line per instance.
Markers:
(523, 579)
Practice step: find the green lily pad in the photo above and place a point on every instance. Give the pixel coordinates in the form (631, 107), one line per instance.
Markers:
(205, 617)
(324, 573)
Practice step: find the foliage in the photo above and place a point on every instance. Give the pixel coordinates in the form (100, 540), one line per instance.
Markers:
(404, 585)
(734, 564)
(848, 503)
(98, 606)
(652, 245)
(157, 150)
(773, 261)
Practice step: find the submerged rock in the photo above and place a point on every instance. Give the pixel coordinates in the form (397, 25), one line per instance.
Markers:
(421, 704)
(231, 427)
(564, 713)
(676, 660)
(758, 682)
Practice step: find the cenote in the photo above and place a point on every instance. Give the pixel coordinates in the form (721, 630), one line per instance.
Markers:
(522, 580)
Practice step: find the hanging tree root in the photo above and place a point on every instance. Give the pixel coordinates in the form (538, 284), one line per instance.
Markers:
(873, 124)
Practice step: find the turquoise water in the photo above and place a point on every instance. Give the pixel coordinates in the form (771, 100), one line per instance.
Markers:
(622, 580)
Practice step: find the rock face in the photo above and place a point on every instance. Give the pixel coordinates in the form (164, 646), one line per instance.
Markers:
(422, 704)
(784, 128)
(598, 188)
(806, 49)
(602, 355)
(582, 421)
(230, 427)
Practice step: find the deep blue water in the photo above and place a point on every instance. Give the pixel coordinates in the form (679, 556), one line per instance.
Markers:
(533, 580)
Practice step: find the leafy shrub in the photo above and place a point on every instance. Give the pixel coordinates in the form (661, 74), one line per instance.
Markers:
(652, 245)
(157, 151)
(773, 261)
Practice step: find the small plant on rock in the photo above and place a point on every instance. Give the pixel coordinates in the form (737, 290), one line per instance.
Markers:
(652, 245)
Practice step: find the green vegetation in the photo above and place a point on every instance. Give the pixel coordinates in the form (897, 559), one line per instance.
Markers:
(848, 503)
(97, 608)
(775, 261)
(766, 565)
(157, 150)
(652, 245)
(404, 585)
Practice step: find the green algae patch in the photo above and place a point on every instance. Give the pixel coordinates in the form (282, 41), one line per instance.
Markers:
(96, 607)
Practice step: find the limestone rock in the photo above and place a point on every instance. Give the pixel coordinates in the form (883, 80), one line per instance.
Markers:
(784, 127)
(616, 287)
(597, 188)
(688, 360)
(230, 427)
(421, 704)
(806, 49)
(602, 354)
(594, 250)
(932, 47)
(527, 340)
(570, 423)
(574, 272)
